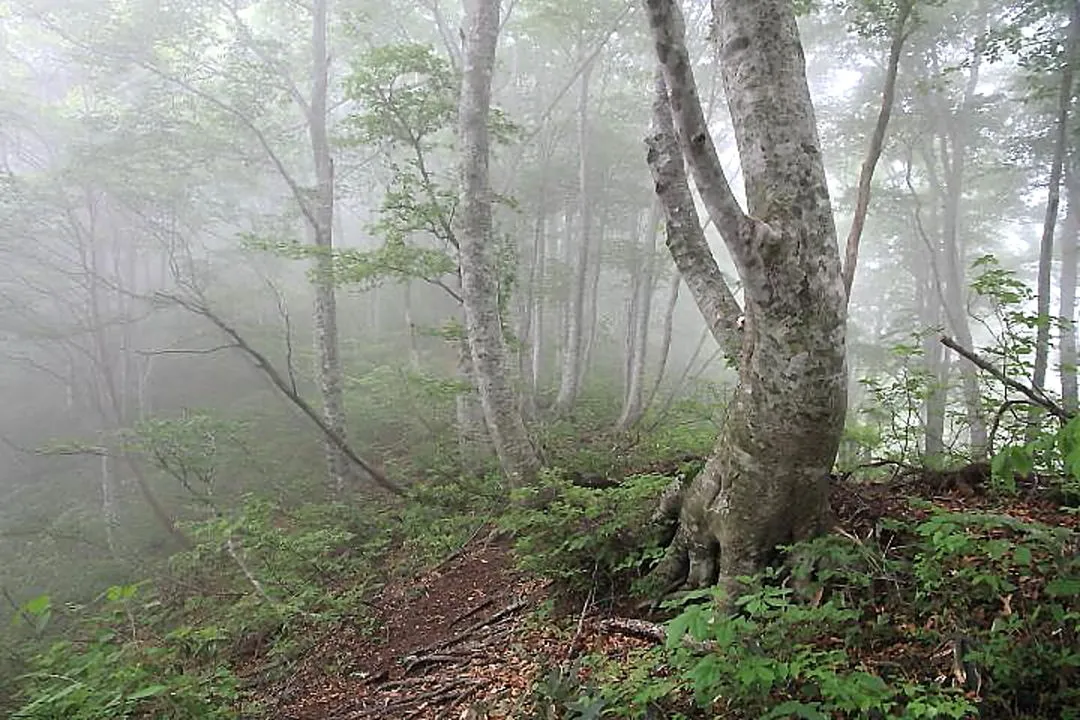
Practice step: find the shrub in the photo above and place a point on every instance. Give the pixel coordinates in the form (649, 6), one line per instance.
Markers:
(579, 535)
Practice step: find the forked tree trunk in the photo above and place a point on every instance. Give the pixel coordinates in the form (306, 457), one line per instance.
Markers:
(476, 238)
(766, 482)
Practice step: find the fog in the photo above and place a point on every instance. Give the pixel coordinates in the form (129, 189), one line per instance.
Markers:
(160, 176)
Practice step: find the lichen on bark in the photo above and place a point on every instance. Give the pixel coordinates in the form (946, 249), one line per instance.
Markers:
(766, 482)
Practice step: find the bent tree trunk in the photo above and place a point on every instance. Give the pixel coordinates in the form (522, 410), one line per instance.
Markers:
(766, 482)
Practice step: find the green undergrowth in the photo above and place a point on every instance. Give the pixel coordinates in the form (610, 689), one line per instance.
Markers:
(585, 538)
(260, 586)
(938, 614)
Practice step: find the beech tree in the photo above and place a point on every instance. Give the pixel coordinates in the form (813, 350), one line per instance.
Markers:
(476, 240)
(766, 482)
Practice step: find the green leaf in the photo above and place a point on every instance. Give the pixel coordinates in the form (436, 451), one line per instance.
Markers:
(798, 709)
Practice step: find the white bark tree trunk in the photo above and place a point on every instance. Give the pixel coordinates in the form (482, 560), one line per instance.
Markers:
(766, 482)
(329, 374)
(638, 327)
(665, 339)
(1046, 246)
(575, 321)
(476, 238)
(1067, 309)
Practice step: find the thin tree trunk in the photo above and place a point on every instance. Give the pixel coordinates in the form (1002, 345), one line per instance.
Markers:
(1046, 246)
(410, 326)
(638, 321)
(1067, 310)
(572, 350)
(531, 331)
(665, 338)
(937, 365)
(630, 329)
(479, 284)
(592, 308)
(108, 502)
(539, 298)
(877, 142)
(952, 150)
(327, 350)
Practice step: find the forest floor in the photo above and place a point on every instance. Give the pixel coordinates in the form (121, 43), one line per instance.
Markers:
(470, 638)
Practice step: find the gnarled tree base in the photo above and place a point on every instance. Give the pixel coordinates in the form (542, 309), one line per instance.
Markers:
(729, 520)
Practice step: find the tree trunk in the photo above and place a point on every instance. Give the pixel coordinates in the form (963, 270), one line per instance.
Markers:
(410, 326)
(591, 315)
(665, 339)
(330, 377)
(572, 348)
(1067, 309)
(766, 482)
(539, 296)
(877, 142)
(1046, 246)
(936, 358)
(476, 237)
(638, 327)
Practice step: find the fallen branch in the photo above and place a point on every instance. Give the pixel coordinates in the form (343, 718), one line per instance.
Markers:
(286, 389)
(1036, 395)
(645, 630)
(454, 640)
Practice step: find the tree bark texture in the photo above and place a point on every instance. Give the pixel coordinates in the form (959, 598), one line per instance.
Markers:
(766, 482)
(330, 376)
(476, 238)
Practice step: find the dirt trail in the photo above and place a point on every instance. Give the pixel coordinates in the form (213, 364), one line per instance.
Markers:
(452, 639)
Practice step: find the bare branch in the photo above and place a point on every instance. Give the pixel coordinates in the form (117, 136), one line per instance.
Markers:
(253, 44)
(188, 351)
(261, 362)
(1036, 395)
(283, 310)
(584, 65)
(239, 115)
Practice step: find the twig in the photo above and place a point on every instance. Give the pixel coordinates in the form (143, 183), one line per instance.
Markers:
(457, 553)
(1036, 395)
(443, 644)
(27, 618)
(1005, 406)
(470, 613)
(581, 619)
